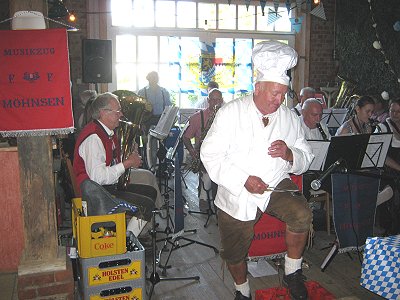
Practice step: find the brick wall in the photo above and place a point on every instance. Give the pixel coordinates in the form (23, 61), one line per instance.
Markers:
(322, 65)
(47, 285)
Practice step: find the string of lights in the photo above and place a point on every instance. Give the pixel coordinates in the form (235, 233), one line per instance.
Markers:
(378, 45)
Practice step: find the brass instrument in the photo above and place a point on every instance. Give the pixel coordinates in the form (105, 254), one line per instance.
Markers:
(196, 162)
(347, 89)
(134, 109)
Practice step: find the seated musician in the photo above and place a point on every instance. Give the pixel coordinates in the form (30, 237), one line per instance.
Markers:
(311, 118)
(360, 122)
(387, 214)
(98, 166)
(392, 125)
(199, 123)
(313, 130)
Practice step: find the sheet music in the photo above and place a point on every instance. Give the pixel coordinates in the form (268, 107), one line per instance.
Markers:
(172, 150)
(375, 154)
(165, 123)
(333, 117)
(320, 150)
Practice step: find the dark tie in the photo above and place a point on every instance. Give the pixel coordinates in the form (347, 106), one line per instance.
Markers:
(265, 121)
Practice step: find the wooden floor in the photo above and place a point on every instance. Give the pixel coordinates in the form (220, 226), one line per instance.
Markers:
(341, 277)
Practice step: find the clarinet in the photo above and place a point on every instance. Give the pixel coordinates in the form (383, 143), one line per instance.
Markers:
(324, 136)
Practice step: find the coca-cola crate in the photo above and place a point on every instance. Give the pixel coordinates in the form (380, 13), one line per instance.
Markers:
(98, 235)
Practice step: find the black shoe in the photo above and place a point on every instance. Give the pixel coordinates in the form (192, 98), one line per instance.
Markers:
(239, 296)
(295, 283)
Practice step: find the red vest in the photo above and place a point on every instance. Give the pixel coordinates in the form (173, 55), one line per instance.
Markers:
(95, 127)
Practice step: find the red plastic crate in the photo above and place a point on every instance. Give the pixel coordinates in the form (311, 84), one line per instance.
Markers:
(315, 292)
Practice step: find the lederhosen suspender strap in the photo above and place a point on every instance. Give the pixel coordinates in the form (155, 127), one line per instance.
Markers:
(297, 111)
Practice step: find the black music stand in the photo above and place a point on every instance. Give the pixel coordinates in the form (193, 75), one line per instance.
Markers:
(179, 231)
(355, 217)
(155, 277)
(333, 117)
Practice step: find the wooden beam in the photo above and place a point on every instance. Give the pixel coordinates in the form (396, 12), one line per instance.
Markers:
(36, 184)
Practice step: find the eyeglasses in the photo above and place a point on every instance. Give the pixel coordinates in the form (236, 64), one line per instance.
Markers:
(394, 111)
(119, 111)
(216, 99)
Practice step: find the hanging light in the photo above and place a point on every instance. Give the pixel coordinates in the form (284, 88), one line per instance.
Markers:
(316, 2)
(71, 16)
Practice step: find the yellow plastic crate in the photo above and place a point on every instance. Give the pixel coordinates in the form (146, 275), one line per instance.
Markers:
(92, 233)
(126, 292)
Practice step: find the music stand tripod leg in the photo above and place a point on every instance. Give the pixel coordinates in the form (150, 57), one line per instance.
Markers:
(155, 277)
(332, 253)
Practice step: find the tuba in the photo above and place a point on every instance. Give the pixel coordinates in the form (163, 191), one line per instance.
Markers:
(346, 91)
(135, 109)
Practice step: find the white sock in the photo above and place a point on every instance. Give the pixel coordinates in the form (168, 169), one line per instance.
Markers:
(292, 264)
(244, 288)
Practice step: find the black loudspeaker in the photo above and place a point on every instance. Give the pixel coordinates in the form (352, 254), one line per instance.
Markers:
(97, 61)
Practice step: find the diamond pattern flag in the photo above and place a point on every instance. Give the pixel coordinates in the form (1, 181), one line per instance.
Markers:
(381, 267)
(273, 16)
(319, 11)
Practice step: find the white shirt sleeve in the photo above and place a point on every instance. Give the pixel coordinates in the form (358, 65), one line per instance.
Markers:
(94, 155)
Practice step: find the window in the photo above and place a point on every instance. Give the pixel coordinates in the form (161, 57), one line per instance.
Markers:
(190, 43)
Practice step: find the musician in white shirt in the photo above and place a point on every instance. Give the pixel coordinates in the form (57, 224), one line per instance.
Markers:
(251, 147)
(311, 121)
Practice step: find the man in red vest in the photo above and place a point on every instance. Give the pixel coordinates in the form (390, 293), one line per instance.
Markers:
(97, 163)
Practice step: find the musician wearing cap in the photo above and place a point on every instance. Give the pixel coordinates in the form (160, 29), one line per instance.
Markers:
(249, 151)
(98, 166)
(311, 121)
(199, 124)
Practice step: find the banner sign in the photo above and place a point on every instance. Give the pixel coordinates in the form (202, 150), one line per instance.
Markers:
(35, 89)
(354, 204)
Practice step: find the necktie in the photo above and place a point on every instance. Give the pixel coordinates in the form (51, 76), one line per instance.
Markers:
(265, 121)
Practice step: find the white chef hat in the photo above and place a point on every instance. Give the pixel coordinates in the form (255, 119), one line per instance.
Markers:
(272, 59)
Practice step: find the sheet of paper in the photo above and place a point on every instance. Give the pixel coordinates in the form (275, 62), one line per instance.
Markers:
(320, 150)
(260, 268)
(333, 117)
(376, 151)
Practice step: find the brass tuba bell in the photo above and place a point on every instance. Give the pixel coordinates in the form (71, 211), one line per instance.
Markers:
(347, 88)
(135, 109)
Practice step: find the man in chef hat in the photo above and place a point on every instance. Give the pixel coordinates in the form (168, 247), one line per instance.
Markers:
(249, 151)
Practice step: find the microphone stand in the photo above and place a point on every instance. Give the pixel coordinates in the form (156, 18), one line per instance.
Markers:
(316, 183)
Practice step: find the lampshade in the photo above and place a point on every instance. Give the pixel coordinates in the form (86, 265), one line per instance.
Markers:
(28, 20)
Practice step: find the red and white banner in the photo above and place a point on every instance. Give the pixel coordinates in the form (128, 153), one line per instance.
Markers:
(35, 89)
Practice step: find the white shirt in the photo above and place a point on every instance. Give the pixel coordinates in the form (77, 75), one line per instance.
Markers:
(94, 155)
(314, 134)
(236, 147)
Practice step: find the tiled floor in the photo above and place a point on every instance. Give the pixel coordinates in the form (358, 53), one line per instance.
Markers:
(8, 288)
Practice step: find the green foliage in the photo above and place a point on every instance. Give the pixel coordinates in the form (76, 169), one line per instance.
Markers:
(359, 61)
